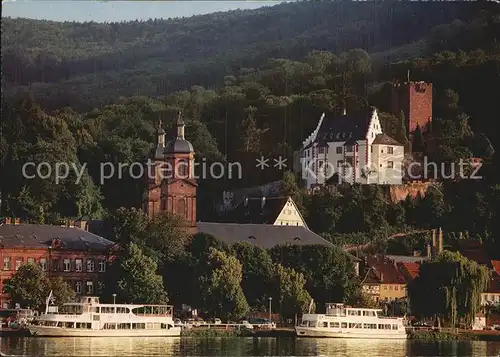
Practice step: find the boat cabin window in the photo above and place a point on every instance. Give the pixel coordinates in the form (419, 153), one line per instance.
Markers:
(370, 326)
(71, 309)
(384, 326)
(394, 327)
(369, 313)
(122, 310)
(354, 312)
(325, 324)
(335, 324)
(107, 309)
(344, 324)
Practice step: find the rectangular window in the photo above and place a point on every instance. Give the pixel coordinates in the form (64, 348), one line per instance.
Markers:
(43, 264)
(344, 324)
(390, 150)
(390, 164)
(6, 263)
(102, 266)
(338, 150)
(371, 148)
(78, 265)
(100, 287)
(19, 262)
(90, 265)
(348, 148)
(90, 287)
(78, 287)
(321, 150)
(31, 260)
(66, 265)
(340, 163)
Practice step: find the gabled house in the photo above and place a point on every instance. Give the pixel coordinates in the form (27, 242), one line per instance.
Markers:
(382, 279)
(281, 211)
(351, 148)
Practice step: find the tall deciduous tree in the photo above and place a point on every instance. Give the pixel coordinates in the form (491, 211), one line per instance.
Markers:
(30, 286)
(454, 285)
(222, 292)
(293, 298)
(257, 272)
(134, 278)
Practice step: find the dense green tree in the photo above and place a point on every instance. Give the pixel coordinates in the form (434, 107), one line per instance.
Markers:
(257, 272)
(293, 298)
(222, 293)
(454, 285)
(134, 278)
(30, 287)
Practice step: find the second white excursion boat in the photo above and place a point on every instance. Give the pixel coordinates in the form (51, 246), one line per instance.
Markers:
(351, 322)
(89, 318)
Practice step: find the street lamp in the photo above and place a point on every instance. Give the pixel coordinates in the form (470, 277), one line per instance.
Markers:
(114, 299)
(270, 301)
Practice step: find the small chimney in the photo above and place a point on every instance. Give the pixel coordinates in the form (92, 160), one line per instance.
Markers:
(16, 221)
(429, 252)
(381, 277)
(8, 220)
(433, 238)
(263, 202)
(440, 240)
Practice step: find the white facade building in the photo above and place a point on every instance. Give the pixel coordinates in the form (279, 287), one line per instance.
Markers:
(351, 148)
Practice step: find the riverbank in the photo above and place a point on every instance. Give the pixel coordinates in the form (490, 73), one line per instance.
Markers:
(214, 332)
(460, 335)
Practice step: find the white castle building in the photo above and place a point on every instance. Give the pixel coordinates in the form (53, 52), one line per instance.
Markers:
(351, 148)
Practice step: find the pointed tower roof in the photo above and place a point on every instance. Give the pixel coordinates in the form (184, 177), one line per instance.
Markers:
(179, 145)
(160, 143)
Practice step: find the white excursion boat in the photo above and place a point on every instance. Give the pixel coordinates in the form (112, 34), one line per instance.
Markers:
(350, 322)
(89, 318)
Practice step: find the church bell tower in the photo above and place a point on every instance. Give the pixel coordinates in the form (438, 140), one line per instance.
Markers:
(172, 184)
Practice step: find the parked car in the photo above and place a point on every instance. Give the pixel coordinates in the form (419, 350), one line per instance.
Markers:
(495, 327)
(214, 321)
(421, 324)
(178, 322)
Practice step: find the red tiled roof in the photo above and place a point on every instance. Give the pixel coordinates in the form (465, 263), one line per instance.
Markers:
(474, 250)
(494, 286)
(410, 270)
(383, 270)
(496, 265)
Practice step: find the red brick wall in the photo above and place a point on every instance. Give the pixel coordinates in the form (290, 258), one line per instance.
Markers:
(415, 100)
(71, 276)
(165, 197)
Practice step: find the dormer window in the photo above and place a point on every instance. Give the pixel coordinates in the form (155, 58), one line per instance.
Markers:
(390, 150)
(339, 149)
(349, 148)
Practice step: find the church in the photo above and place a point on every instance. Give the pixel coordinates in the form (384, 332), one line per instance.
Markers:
(172, 188)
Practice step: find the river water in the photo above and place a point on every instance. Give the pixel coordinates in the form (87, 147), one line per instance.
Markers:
(159, 346)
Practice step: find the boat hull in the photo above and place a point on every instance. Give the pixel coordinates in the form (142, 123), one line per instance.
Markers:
(350, 333)
(47, 331)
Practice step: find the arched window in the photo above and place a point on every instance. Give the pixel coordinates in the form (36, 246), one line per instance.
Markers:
(183, 168)
(182, 208)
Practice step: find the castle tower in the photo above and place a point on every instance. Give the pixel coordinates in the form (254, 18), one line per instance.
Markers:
(414, 99)
(172, 188)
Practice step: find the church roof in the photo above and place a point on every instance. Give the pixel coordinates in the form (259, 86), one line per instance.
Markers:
(264, 235)
(181, 146)
(344, 127)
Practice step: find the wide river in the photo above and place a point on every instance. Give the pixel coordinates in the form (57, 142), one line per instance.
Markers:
(158, 346)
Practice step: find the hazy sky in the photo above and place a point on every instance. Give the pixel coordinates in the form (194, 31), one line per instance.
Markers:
(111, 11)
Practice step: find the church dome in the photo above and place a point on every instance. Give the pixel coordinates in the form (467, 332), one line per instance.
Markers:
(178, 146)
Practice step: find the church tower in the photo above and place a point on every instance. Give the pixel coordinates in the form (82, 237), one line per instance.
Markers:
(171, 183)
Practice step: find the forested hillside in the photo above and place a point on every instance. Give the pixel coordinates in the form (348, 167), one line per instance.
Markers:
(84, 65)
(267, 76)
